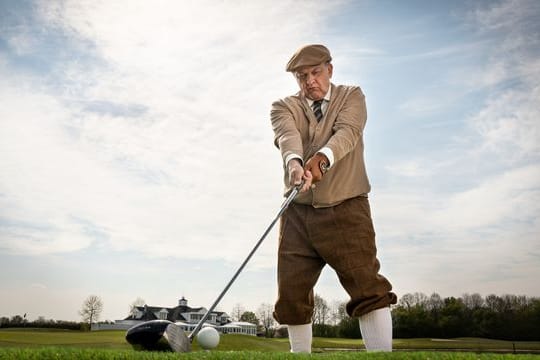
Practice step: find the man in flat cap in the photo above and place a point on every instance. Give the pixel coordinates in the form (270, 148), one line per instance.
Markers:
(319, 134)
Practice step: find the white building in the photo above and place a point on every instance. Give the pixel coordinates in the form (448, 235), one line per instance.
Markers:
(183, 315)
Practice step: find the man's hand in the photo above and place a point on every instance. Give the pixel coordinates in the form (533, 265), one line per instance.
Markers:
(297, 174)
(316, 165)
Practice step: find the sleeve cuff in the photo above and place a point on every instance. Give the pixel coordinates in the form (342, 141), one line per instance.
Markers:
(293, 156)
(329, 154)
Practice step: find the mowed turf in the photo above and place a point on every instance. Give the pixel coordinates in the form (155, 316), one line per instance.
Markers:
(47, 344)
(98, 354)
(46, 337)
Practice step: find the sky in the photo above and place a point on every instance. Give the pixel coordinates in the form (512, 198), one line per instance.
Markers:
(137, 156)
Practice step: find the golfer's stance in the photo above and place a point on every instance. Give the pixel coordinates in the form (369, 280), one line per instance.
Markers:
(319, 133)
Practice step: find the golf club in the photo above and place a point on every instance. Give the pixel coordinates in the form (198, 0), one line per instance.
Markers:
(154, 334)
(158, 335)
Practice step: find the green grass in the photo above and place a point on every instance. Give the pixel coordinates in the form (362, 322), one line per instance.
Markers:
(111, 345)
(474, 344)
(41, 337)
(50, 353)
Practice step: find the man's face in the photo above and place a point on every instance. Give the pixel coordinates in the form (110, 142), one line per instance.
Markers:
(314, 81)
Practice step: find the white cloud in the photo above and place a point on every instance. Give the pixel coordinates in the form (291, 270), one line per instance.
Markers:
(413, 168)
(152, 135)
(502, 51)
(422, 106)
(477, 240)
(44, 179)
(191, 169)
(508, 125)
(463, 221)
(512, 197)
(507, 15)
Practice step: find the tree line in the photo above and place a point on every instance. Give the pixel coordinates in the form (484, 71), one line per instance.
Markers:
(18, 321)
(90, 312)
(506, 317)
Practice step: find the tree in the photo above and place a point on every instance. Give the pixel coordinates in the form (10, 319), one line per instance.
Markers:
(338, 312)
(473, 302)
(452, 317)
(250, 317)
(237, 312)
(412, 317)
(91, 309)
(320, 310)
(411, 300)
(349, 328)
(435, 303)
(133, 307)
(266, 317)
(322, 314)
(17, 320)
(4, 321)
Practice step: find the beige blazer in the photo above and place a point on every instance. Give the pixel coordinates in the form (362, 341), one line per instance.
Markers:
(296, 131)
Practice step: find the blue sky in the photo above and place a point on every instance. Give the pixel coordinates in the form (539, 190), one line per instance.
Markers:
(136, 156)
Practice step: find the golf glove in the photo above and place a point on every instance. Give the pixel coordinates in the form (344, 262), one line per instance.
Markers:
(317, 165)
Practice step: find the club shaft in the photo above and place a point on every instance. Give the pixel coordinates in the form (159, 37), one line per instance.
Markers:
(286, 203)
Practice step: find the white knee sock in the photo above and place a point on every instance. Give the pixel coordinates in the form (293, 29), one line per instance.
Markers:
(300, 338)
(376, 328)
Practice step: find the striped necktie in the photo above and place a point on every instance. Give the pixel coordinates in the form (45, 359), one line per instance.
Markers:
(317, 109)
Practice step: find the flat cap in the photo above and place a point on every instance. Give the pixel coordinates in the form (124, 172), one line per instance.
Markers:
(309, 55)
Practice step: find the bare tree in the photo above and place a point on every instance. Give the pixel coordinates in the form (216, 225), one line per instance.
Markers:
(435, 303)
(473, 301)
(320, 311)
(133, 307)
(411, 300)
(266, 317)
(91, 309)
(237, 312)
(338, 311)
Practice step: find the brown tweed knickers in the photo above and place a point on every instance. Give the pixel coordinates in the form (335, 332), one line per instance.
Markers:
(341, 236)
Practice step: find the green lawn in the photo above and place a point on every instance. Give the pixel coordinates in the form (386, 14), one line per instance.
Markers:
(46, 337)
(50, 353)
(47, 344)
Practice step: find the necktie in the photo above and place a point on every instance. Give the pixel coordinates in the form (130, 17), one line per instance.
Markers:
(317, 109)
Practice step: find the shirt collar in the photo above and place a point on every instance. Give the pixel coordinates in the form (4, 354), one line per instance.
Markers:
(325, 98)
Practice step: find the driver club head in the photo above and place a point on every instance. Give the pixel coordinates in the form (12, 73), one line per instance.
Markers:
(158, 335)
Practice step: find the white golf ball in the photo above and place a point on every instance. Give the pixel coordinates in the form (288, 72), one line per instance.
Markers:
(208, 338)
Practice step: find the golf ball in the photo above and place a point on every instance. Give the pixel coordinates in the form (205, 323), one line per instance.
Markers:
(208, 338)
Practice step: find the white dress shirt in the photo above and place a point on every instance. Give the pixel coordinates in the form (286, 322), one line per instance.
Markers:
(325, 150)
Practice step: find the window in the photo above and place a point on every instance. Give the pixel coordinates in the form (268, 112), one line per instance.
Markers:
(196, 317)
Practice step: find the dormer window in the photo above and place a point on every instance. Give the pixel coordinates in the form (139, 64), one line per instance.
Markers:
(163, 314)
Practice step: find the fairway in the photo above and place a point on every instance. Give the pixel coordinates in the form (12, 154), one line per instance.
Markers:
(97, 354)
(47, 344)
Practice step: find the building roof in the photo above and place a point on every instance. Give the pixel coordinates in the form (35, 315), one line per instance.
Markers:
(173, 314)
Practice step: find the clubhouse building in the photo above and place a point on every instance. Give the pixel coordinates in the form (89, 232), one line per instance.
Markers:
(184, 316)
